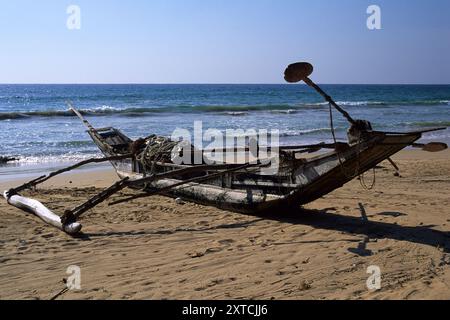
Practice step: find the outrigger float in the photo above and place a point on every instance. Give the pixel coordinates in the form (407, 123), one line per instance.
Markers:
(146, 165)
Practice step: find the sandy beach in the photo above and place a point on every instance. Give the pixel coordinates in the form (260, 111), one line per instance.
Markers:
(155, 248)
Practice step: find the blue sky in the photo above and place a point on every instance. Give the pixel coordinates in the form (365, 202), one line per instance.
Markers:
(223, 41)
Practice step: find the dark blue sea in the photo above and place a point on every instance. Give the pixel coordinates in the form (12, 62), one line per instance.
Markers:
(36, 126)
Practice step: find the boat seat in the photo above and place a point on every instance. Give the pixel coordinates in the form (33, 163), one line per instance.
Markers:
(108, 134)
(103, 129)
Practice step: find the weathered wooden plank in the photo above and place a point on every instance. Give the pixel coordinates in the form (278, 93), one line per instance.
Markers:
(42, 212)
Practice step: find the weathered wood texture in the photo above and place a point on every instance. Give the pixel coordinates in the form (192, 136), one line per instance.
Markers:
(38, 209)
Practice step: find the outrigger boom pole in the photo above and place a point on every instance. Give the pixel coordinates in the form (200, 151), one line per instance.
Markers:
(79, 115)
(300, 71)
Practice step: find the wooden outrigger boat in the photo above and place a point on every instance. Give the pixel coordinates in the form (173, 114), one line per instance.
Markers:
(241, 187)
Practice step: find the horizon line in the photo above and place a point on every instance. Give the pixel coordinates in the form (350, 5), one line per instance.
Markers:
(222, 83)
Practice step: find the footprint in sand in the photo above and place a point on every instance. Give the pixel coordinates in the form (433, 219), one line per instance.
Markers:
(215, 282)
(38, 231)
(305, 285)
(48, 235)
(69, 244)
(196, 254)
(202, 223)
(226, 242)
(200, 288)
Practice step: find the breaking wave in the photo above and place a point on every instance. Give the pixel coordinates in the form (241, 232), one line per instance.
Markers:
(233, 110)
(428, 124)
(296, 133)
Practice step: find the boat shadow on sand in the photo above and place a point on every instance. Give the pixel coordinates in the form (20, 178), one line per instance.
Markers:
(324, 219)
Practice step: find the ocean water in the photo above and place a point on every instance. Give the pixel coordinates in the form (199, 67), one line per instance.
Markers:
(36, 126)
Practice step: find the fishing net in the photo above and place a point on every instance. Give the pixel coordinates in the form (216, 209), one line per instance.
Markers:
(156, 149)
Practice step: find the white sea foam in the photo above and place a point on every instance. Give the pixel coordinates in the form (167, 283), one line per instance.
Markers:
(295, 133)
(289, 111)
(350, 103)
(64, 158)
(237, 114)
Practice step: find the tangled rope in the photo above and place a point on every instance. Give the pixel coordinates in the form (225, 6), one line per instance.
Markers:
(157, 149)
(358, 167)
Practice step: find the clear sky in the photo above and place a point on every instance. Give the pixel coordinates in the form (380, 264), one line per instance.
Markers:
(223, 41)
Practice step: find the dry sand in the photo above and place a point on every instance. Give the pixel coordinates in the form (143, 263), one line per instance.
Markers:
(154, 248)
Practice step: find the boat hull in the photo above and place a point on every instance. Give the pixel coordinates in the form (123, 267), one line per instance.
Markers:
(311, 179)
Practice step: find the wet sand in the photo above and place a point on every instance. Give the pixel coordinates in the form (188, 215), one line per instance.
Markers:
(156, 249)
